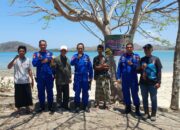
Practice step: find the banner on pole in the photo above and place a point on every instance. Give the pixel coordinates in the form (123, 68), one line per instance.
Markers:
(117, 43)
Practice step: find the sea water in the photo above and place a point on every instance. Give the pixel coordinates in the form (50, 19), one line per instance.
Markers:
(166, 58)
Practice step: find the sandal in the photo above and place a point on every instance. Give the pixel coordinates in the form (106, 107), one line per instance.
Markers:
(28, 110)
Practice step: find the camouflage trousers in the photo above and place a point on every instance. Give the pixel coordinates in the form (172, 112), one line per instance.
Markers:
(102, 92)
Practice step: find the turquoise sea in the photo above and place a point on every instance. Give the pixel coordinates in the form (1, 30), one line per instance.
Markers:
(166, 58)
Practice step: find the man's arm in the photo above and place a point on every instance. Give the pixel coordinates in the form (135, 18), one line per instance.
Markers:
(10, 65)
(90, 69)
(159, 68)
(69, 67)
(48, 59)
(36, 60)
(119, 70)
(136, 62)
(31, 76)
(74, 60)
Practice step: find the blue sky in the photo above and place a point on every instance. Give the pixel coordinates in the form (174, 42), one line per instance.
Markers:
(60, 31)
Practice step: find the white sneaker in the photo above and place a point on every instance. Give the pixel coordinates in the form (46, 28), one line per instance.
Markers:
(153, 118)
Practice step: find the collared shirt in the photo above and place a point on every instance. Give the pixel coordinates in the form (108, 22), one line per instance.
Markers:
(83, 67)
(125, 69)
(21, 70)
(43, 69)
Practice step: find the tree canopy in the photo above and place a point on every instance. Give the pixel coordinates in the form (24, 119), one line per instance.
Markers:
(126, 16)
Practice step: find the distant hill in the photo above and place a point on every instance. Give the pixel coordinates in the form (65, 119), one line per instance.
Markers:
(93, 48)
(155, 47)
(12, 46)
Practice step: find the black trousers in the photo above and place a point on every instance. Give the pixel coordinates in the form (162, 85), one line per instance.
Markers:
(62, 97)
(23, 95)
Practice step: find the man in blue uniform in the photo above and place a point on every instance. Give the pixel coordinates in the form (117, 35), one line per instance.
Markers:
(127, 73)
(44, 75)
(82, 77)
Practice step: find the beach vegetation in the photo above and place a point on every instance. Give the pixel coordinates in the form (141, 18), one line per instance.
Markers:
(5, 84)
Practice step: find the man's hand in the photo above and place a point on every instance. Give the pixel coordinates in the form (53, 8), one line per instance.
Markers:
(104, 66)
(70, 81)
(32, 84)
(129, 62)
(44, 61)
(144, 75)
(144, 66)
(118, 81)
(157, 85)
(16, 57)
(79, 56)
(115, 84)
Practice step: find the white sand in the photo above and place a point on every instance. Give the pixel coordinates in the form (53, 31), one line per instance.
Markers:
(164, 92)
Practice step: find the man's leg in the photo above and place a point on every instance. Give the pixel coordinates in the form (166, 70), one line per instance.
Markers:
(153, 95)
(65, 95)
(49, 89)
(41, 93)
(144, 93)
(59, 95)
(77, 90)
(106, 86)
(126, 94)
(85, 96)
(98, 92)
(135, 97)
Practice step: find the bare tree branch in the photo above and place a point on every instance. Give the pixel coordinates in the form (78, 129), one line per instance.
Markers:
(162, 8)
(122, 24)
(79, 14)
(113, 7)
(135, 21)
(106, 22)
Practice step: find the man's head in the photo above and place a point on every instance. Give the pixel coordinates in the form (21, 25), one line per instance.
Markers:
(129, 47)
(21, 51)
(100, 49)
(42, 45)
(80, 48)
(63, 50)
(148, 48)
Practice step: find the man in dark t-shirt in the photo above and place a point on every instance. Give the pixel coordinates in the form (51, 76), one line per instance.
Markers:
(150, 80)
(102, 77)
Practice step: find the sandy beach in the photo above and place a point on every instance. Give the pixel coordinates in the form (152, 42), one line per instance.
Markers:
(164, 92)
(98, 119)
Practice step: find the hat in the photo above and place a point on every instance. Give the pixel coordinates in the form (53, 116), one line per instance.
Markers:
(108, 51)
(63, 47)
(147, 46)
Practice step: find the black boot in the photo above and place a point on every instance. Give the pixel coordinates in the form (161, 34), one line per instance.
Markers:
(77, 108)
(128, 109)
(137, 111)
(51, 109)
(41, 109)
(86, 109)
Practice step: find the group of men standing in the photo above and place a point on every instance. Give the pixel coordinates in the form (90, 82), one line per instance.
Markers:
(59, 68)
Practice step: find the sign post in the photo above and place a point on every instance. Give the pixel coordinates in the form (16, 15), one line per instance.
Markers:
(117, 43)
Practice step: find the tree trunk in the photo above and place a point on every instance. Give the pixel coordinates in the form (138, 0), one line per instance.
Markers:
(176, 72)
(135, 21)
